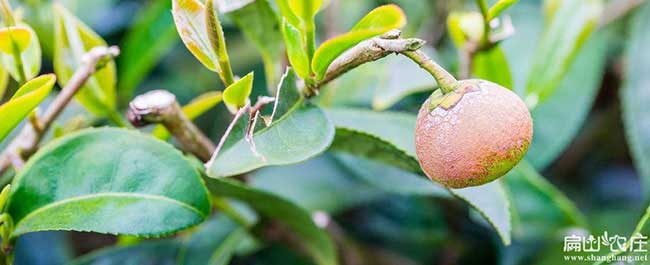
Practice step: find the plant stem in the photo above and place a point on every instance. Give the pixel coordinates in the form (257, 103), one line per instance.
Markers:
(28, 139)
(7, 14)
(160, 106)
(218, 43)
(482, 4)
(310, 41)
(445, 80)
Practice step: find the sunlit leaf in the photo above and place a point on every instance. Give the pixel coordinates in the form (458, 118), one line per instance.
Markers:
(192, 110)
(72, 40)
(315, 240)
(305, 9)
(492, 65)
(150, 37)
(23, 102)
(108, 181)
(635, 95)
(4, 81)
(295, 51)
(191, 24)
(299, 131)
(236, 95)
(376, 22)
(499, 7)
(559, 45)
(14, 39)
(30, 52)
(287, 13)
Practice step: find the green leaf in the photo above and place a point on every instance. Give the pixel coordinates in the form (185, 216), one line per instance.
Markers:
(192, 110)
(150, 252)
(261, 25)
(72, 40)
(376, 22)
(287, 13)
(464, 26)
(572, 100)
(492, 65)
(236, 95)
(560, 43)
(498, 7)
(541, 209)
(23, 102)
(191, 24)
(305, 9)
(315, 240)
(214, 242)
(390, 138)
(300, 131)
(4, 81)
(295, 51)
(108, 181)
(150, 37)
(14, 39)
(635, 95)
(30, 53)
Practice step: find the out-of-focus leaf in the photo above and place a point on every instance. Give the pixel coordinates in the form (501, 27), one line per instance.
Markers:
(150, 37)
(192, 110)
(324, 185)
(261, 25)
(4, 81)
(492, 65)
(23, 102)
(44, 248)
(227, 6)
(541, 209)
(163, 252)
(72, 40)
(236, 95)
(375, 134)
(295, 51)
(30, 52)
(14, 39)
(391, 179)
(572, 101)
(560, 43)
(499, 7)
(108, 181)
(214, 242)
(315, 240)
(287, 13)
(463, 26)
(191, 24)
(635, 95)
(301, 133)
(376, 22)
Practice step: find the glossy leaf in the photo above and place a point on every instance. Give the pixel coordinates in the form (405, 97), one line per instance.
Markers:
(236, 95)
(163, 252)
(108, 181)
(192, 110)
(14, 39)
(21, 104)
(492, 65)
(541, 209)
(315, 240)
(560, 43)
(498, 7)
(376, 22)
(396, 132)
(191, 24)
(295, 51)
(150, 37)
(635, 95)
(214, 242)
(72, 40)
(299, 131)
(30, 55)
(261, 25)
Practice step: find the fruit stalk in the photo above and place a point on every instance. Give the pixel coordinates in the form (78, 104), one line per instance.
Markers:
(445, 80)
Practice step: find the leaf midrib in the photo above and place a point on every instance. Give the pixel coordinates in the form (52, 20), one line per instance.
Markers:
(108, 194)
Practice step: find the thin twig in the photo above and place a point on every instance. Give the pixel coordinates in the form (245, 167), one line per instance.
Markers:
(27, 141)
(160, 106)
(225, 135)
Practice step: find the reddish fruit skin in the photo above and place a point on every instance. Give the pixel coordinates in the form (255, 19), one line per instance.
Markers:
(476, 140)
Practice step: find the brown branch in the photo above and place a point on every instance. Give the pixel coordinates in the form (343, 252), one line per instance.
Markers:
(26, 142)
(160, 106)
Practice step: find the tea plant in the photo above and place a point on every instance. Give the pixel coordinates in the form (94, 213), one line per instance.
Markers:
(200, 194)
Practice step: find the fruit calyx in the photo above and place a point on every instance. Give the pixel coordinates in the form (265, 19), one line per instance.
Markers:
(448, 100)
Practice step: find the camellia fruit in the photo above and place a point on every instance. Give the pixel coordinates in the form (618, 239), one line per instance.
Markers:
(472, 134)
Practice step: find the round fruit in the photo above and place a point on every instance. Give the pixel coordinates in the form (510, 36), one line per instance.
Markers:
(473, 134)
